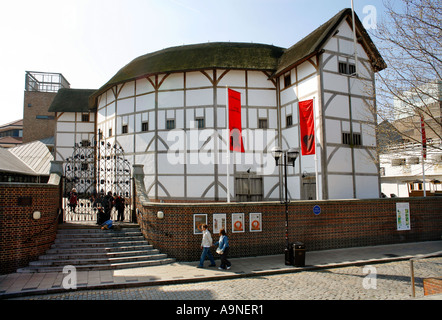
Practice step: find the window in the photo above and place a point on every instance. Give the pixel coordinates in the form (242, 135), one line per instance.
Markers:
(110, 132)
(398, 162)
(85, 117)
(145, 126)
(287, 80)
(170, 124)
(200, 122)
(124, 129)
(289, 121)
(44, 117)
(347, 68)
(262, 124)
(349, 139)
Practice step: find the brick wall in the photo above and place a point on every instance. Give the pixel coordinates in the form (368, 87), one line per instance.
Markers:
(346, 223)
(37, 104)
(23, 239)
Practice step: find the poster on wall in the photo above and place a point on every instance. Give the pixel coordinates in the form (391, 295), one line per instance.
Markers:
(219, 222)
(403, 216)
(198, 221)
(237, 222)
(255, 222)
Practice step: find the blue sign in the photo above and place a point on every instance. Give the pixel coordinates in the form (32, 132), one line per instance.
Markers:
(316, 210)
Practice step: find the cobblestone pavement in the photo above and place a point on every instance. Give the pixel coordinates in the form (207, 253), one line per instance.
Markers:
(388, 281)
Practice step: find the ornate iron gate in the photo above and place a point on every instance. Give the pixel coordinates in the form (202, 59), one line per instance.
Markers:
(94, 170)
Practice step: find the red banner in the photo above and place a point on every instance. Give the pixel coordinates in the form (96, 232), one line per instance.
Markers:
(234, 101)
(307, 123)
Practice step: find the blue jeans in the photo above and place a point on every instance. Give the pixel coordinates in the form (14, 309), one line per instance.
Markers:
(206, 252)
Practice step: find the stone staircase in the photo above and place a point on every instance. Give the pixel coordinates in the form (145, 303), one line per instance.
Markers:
(90, 248)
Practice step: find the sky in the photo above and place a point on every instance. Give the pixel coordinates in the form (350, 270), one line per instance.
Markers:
(88, 41)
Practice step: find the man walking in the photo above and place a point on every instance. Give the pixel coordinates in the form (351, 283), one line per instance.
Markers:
(206, 243)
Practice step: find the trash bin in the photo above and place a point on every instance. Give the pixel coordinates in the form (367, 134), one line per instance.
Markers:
(288, 252)
(298, 254)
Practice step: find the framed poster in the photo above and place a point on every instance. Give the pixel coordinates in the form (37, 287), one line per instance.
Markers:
(198, 221)
(237, 222)
(219, 222)
(255, 220)
(403, 216)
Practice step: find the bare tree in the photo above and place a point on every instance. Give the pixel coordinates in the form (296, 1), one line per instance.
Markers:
(410, 41)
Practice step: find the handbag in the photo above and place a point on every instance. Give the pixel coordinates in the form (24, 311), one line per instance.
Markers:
(219, 251)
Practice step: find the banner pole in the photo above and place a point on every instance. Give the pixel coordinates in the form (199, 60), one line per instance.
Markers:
(228, 144)
(316, 152)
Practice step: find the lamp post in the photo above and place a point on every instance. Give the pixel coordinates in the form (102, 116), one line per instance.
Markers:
(289, 158)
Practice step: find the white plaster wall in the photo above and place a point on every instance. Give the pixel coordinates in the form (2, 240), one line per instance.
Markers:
(340, 161)
(367, 187)
(340, 186)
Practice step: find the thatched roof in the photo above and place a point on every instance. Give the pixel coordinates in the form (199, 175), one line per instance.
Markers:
(244, 56)
(71, 100)
(313, 43)
(219, 55)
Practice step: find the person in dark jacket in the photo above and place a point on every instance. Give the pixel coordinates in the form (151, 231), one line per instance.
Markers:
(119, 205)
(223, 250)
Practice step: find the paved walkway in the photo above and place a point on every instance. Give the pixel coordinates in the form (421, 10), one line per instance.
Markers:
(23, 284)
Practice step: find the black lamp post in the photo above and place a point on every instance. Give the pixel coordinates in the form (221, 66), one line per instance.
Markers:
(290, 157)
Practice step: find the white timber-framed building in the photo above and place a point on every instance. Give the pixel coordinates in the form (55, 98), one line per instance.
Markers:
(167, 110)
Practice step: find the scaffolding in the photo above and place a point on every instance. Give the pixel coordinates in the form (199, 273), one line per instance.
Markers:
(45, 81)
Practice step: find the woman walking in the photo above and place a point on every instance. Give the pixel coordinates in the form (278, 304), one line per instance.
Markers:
(223, 250)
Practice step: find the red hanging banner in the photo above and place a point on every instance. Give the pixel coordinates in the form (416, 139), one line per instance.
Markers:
(307, 123)
(234, 100)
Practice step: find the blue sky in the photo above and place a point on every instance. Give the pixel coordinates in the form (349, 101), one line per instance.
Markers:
(88, 41)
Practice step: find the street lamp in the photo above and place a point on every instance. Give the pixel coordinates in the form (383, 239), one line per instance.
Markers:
(290, 157)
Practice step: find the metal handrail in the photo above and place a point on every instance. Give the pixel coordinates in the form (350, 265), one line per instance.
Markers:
(431, 255)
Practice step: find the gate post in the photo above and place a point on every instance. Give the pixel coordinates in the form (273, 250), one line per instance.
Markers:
(56, 178)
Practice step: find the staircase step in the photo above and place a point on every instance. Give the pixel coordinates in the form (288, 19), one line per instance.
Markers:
(76, 262)
(90, 248)
(99, 255)
(110, 266)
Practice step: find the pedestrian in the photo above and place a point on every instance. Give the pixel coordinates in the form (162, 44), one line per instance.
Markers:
(119, 205)
(108, 203)
(206, 243)
(73, 198)
(223, 250)
(107, 225)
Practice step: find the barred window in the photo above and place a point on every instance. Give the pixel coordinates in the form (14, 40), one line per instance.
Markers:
(289, 121)
(349, 139)
(200, 122)
(170, 124)
(262, 124)
(347, 68)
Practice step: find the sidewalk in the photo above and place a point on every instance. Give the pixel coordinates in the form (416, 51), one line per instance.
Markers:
(23, 284)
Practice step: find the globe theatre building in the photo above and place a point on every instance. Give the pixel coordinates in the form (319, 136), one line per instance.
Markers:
(167, 110)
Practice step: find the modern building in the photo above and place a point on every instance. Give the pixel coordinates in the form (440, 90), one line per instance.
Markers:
(11, 134)
(167, 111)
(40, 90)
(408, 168)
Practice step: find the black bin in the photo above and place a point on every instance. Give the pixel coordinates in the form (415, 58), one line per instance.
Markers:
(299, 254)
(289, 259)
